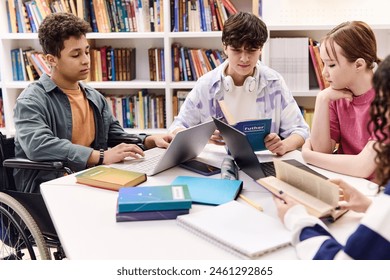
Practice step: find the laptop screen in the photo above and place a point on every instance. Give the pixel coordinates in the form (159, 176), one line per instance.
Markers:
(241, 150)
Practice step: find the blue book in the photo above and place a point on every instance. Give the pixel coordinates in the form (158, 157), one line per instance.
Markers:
(113, 70)
(203, 25)
(255, 130)
(155, 198)
(209, 190)
(183, 60)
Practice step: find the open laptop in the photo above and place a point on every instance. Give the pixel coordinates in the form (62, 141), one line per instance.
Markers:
(246, 159)
(186, 145)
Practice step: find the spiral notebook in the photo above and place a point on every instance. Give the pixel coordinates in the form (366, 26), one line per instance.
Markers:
(239, 228)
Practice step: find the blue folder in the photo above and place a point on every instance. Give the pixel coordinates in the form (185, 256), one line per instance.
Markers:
(209, 190)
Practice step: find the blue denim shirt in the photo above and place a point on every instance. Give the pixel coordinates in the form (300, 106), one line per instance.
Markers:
(43, 122)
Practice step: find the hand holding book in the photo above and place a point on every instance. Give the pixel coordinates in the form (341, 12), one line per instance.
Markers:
(255, 130)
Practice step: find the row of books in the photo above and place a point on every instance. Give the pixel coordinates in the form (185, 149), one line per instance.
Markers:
(126, 109)
(298, 61)
(200, 15)
(103, 15)
(126, 15)
(145, 110)
(107, 64)
(156, 64)
(112, 64)
(177, 100)
(27, 16)
(189, 64)
(28, 64)
(142, 110)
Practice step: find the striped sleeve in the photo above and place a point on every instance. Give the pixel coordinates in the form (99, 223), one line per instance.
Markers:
(370, 241)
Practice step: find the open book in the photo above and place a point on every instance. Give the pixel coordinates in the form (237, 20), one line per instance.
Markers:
(318, 195)
(255, 130)
(238, 228)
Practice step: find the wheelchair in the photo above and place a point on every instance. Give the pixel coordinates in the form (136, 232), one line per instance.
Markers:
(26, 229)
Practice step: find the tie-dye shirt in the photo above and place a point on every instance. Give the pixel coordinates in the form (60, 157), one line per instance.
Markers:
(274, 100)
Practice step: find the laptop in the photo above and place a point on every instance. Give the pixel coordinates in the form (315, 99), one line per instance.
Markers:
(187, 144)
(245, 157)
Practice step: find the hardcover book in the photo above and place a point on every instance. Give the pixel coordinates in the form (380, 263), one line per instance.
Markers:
(154, 198)
(110, 178)
(316, 193)
(210, 191)
(150, 215)
(255, 130)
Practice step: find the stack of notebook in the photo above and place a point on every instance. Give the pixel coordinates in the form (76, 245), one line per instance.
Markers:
(153, 203)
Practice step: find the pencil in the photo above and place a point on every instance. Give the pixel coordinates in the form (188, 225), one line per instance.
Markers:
(251, 203)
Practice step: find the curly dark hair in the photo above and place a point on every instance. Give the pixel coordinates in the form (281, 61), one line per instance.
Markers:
(380, 114)
(58, 27)
(244, 29)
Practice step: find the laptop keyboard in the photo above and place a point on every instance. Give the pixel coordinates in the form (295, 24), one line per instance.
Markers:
(145, 164)
(268, 168)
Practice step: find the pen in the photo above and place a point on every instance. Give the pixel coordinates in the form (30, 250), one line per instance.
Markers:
(251, 203)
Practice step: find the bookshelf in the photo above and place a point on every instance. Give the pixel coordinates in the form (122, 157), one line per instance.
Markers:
(288, 25)
(141, 41)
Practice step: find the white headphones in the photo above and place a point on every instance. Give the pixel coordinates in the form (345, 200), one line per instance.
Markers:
(250, 83)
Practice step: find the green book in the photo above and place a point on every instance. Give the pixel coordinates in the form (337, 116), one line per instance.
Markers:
(154, 198)
(110, 178)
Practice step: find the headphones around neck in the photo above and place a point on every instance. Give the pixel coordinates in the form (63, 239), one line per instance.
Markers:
(250, 83)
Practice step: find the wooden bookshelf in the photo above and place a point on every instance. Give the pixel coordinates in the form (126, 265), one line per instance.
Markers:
(142, 41)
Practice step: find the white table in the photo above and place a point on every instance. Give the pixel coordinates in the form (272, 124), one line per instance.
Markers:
(84, 218)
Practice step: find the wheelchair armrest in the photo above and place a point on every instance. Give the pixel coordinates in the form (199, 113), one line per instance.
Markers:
(29, 164)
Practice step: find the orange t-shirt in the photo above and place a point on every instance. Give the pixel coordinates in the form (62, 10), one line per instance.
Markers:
(83, 121)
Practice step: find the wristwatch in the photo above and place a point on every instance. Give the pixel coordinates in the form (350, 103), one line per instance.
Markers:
(101, 157)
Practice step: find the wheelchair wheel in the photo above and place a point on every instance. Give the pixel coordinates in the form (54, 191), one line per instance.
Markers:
(20, 236)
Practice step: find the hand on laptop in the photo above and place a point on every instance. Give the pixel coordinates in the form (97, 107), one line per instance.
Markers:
(122, 151)
(216, 138)
(158, 140)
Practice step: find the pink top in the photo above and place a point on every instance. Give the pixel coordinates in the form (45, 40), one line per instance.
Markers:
(348, 123)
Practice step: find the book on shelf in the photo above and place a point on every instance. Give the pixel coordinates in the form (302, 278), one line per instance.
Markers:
(110, 178)
(149, 215)
(238, 228)
(316, 67)
(255, 130)
(316, 51)
(210, 191)
(154, 198)
(316, 193)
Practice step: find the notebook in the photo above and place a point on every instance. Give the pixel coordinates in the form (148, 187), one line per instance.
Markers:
(186, 145)
(238, 228)
(246, 158)
(210, 190)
